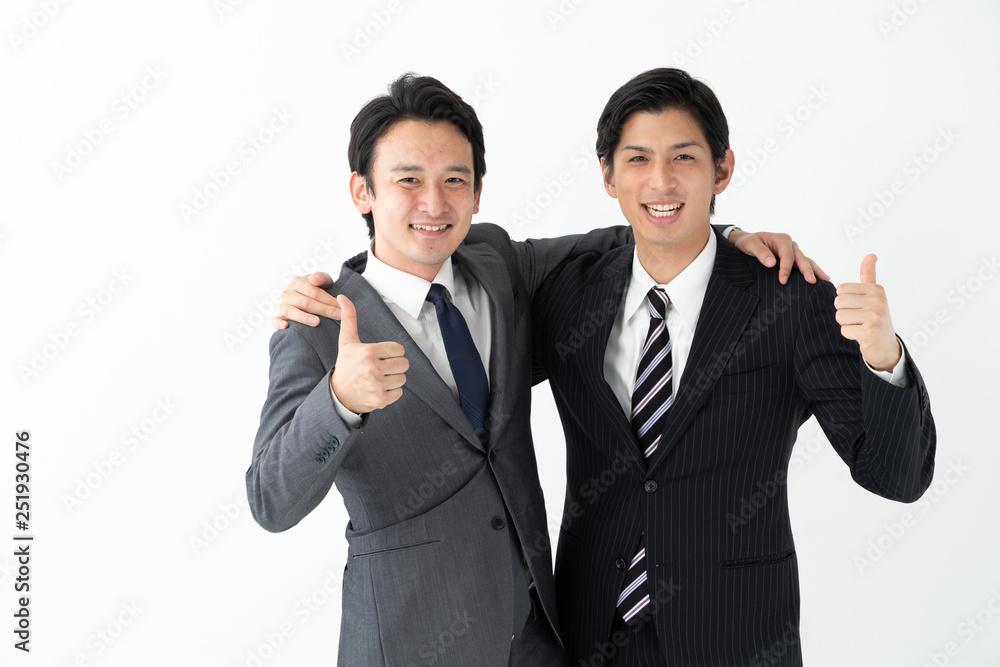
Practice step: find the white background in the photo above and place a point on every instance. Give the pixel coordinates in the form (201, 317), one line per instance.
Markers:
(828, 104)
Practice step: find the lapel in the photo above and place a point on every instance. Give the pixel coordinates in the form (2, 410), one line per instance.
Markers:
(484, 264)
(725, 313)
(377, 323)
(588, 342)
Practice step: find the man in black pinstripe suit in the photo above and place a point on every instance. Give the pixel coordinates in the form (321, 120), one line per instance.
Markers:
(664, 543)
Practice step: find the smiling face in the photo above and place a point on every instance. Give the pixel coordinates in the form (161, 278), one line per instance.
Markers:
(664, 178)
(424, 195)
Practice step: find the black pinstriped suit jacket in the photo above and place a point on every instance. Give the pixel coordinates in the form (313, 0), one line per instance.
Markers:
(765, 358)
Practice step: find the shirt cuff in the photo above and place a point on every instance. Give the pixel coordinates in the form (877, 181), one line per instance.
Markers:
(352, 419)
(897, 377)
(729, 230)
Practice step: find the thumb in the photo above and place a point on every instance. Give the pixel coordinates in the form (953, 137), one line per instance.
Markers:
(868, 269)
(320, 279)
(348, 321)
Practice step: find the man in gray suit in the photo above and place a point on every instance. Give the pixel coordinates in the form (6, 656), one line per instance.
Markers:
(440, 496)
(449, 559)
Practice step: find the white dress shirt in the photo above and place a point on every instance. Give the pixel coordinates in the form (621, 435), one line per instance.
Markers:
(406, 296)
(686, 293)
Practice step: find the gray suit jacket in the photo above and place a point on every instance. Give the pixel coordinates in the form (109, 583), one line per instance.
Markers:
(428, 577)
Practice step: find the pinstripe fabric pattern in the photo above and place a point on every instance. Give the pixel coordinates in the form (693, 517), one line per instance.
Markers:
(765, 357)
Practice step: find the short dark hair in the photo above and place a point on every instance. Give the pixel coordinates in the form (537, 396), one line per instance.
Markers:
(411, 97)
(659, 90)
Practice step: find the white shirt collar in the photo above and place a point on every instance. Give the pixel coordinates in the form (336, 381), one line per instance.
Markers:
(686, 290)
(405, 289)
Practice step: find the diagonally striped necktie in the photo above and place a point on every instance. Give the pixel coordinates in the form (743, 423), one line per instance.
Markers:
(651, 398)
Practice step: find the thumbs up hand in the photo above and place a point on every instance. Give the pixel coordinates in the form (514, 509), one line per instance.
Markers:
(367, 376)
(863, 315)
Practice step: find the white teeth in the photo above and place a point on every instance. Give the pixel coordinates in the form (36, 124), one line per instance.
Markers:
(662, 211)
(430, 228)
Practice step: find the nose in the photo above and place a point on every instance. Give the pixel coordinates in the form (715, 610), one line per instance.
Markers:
(433, 200)
(662, 177)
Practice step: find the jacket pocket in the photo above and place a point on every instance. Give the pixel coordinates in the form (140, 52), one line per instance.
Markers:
(744, 383)
(386, 550)
(756, 560)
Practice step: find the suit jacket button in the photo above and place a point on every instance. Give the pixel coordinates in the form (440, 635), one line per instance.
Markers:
(333, 443)
(498, 523)
(620, 563)
(650, 486)
(493, 455)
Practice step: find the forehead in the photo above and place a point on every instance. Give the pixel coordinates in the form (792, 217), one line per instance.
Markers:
(416, 143)
(667, 127)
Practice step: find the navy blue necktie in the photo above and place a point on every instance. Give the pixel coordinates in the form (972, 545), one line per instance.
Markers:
(463, 357)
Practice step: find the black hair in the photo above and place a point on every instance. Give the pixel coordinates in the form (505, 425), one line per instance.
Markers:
(411, 97)
(655, 91)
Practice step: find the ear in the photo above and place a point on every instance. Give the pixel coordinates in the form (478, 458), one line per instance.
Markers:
(360, 194)
(475, 203)
(609, 179)
(724, 172)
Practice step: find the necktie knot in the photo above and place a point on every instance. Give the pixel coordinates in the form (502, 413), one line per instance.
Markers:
(657, 300)
(436, 293)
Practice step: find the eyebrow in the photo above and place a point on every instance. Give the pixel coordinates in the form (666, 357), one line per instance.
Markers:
(462, 169)
(675, 147)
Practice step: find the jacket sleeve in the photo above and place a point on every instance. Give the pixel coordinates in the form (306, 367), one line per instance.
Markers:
(884, 433)
(537, 258)
(301, 440)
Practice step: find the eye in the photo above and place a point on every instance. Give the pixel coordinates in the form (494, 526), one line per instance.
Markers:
(637, 158)
(685, 157)
(456, 179)
(409, 180)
